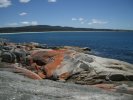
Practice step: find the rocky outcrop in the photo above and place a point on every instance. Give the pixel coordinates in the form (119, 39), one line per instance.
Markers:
(65, 64)
(17, 87)
(103, 70)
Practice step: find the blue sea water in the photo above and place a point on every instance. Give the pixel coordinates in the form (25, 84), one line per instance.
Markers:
(117, 45)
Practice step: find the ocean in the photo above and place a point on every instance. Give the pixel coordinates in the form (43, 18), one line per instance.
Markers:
(116, 45)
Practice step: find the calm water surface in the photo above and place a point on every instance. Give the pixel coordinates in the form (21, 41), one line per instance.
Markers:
(118, 45)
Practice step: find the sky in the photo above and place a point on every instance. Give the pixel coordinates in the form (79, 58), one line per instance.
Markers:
(111, 14)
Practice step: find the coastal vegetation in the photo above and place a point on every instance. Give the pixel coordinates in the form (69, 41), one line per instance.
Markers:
(44, 28)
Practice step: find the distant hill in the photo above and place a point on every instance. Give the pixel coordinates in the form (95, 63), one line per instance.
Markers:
(44, 28)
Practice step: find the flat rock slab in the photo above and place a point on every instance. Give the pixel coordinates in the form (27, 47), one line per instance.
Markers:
(17, 87)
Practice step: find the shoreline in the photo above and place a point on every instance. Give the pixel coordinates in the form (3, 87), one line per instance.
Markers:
(51, 33)
(60, 32)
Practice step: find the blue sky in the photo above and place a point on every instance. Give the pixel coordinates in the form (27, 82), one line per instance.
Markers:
(116, 14)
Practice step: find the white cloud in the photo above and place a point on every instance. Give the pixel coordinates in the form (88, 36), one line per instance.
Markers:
(34, 23)
(25, 23)
(81, 19)
(96, 21)
(52, 0)
(5, 3)
(91, 22)
(23, 14)
(29, 23)
(24, 1)
(74, 19)
(78, 19)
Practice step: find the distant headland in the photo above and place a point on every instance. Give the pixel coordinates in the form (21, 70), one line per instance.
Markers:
(48, 28)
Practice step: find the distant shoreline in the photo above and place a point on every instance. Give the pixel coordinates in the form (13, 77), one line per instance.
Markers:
(59, 32)
(48, 28)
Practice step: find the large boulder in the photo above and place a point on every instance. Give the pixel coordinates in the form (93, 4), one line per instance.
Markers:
(62, 64)
(102, 70)
(8, 57)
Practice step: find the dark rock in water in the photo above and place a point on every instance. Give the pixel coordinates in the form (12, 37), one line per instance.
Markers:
(86, 49)
(43, 46)
(54, 47)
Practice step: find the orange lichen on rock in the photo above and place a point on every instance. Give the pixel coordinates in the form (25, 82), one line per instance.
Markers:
(49, 60)
(52, 66)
